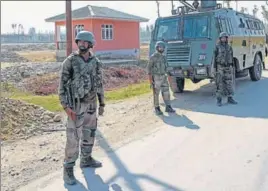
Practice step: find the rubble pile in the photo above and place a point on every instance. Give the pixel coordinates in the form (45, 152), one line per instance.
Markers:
(8, 51)
(23, 120)
(114, 78)
(17, 73)
(8, 56)
(122, 76)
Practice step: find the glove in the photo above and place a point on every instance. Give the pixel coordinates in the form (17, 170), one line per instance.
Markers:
(70, 113)
(101, 110)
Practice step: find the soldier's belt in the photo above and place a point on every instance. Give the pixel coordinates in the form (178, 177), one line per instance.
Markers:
(225, 65)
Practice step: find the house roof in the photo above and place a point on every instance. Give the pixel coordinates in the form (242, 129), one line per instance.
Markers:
(90, 11)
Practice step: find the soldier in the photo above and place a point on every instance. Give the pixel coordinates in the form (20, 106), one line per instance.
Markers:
(80, 85)
(224, 66)
(157, 69)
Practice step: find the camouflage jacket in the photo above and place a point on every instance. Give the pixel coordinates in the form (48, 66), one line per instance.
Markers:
(85, 77)
(223, 54)
(157, 64)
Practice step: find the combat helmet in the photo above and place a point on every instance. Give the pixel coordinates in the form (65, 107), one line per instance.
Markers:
(223, 34)
(85, 36)
(160, 44)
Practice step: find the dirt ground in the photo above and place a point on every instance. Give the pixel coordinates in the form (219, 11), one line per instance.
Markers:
(124, 121)
(32, 157)
(25, 160)
(38, 141)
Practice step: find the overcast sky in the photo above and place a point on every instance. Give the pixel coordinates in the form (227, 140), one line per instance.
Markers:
(33, 13)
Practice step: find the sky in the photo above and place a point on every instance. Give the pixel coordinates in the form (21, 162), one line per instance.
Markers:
(34, 13)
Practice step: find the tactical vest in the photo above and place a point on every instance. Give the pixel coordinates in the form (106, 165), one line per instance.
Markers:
(159, 64)
(84, 78)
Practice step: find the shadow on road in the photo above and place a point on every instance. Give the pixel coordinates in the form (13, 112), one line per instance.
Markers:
(252, 100)
(77, 187)
(96, 183)
(176, 120)
(131, 178)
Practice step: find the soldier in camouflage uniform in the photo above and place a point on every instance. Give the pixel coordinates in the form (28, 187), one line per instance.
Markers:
(157, 71)
(224, 70)
(80, 86)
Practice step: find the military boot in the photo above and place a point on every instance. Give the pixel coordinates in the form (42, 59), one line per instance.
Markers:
(231, 100)
(89, 162)
(169, 109)
(68, 175)
(158, 111)
(219, 103)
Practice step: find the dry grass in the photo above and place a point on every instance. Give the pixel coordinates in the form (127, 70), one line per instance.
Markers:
(144, 52)
(39, 56)
(6, 64)
(50, 55)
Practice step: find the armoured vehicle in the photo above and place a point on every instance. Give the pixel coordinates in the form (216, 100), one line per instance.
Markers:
(191, 34)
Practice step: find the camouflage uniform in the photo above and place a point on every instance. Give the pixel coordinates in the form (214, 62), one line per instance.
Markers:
(85, 80)
(225, 74)
(157, 69)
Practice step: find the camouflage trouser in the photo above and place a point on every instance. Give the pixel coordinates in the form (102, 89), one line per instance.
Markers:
(224, 81)
(161, 84)
(83, 130)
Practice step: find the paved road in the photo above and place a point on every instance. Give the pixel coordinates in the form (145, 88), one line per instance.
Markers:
(202, 148)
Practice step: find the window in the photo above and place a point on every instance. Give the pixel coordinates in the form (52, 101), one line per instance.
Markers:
(107, 32)
(188, 31)
(242, 24)
(247, 24)
(201, 27)
(230, 26)
(168, 30)
(78, 28)
(196, 27)
(226, 25)
(223, 26)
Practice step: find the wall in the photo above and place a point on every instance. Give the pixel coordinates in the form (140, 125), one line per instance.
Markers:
(126, 38)
(87, 26)
(125, 35)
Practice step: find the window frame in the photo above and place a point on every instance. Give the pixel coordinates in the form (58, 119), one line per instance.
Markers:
(110, 30)
(77, 30)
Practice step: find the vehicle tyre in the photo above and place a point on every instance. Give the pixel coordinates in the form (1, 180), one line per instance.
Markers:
(195, 81)
(255, 71)
(176, 84)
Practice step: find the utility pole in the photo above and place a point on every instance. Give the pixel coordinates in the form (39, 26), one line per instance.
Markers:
(158, 8)
(69, 27)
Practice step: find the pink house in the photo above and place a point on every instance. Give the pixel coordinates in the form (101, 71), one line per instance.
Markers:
(117, 33)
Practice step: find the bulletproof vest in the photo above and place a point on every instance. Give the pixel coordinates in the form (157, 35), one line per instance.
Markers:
(83, 75)
(223, 56)
(159, 66)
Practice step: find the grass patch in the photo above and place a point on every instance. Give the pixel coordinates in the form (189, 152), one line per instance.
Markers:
(128, 92)
(39, 56)
(51, 102)
(144, 52)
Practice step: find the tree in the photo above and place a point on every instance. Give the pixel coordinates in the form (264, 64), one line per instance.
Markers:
(20, 29)
(264, 13)
(255, 10)
(14, 27)
(32, 31)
